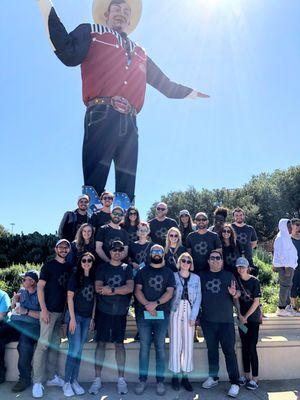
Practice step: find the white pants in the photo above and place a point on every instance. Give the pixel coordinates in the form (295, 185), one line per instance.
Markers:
(181, 339)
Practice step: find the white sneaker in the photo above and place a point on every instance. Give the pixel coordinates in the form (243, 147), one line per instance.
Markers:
(37, 390)
(233, 391)
(209, 383)
(56, 381)
(96, 386)
(77, 388)
(122, 386)
(282, 312)
(67, 389)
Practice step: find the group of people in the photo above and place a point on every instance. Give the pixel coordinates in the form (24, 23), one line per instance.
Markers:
(175, 276)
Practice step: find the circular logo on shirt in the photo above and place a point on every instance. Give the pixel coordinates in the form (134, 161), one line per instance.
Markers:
(214, 285)
(156, 282)
(161, 233)
(88, 292)
(201, 248)
(132, 236)
(242, 237)
(231, 258)
(114, 281)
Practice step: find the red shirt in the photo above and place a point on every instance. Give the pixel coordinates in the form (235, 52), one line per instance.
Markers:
(107, 72)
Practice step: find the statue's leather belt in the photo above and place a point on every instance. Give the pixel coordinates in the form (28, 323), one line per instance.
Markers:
(119, 103)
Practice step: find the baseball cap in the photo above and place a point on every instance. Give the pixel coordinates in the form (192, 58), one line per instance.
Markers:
(83, 196)
(62, 241)
(242, 262)
(117, 244)
(184, 212)
(31, 274)
(118, 208)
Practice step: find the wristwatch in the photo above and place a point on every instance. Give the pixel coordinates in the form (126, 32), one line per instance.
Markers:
(158, 302)
(27, 312)
(112, 290)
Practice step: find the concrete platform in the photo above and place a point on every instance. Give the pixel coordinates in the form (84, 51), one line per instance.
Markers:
(268, 390)
(278, 348)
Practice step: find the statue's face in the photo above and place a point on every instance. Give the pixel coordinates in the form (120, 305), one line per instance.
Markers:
(118, 16)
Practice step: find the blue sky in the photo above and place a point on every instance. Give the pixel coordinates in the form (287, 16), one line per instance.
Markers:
(245, 54)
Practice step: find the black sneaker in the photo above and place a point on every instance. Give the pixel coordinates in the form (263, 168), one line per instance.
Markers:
(175, 383)
(251, 385)
(20, 386)
(186, 384)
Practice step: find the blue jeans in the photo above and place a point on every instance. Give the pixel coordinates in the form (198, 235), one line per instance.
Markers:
(157, 329)
(76, 343)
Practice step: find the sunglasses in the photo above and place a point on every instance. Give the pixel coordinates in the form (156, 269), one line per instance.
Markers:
(116, 214)
(173, 235)
(215, 258)
(87, 260)
(226, 231)
(158, 252)
(132, 213)
(186, 261)
(117, 250)
(107, 198)
(201, 219)
(161, 209)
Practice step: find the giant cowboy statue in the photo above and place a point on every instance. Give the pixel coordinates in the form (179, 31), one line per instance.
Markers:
(114, 72)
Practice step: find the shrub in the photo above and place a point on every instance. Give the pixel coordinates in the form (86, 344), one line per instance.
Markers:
(10, 279)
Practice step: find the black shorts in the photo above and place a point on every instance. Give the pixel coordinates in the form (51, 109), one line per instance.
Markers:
(110, 328)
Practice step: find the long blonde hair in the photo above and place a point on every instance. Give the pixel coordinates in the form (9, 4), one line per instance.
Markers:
(168, 242)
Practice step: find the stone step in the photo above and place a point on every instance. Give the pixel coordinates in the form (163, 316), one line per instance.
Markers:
(279, 355)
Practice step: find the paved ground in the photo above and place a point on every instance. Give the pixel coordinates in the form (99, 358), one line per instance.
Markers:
(268, 390)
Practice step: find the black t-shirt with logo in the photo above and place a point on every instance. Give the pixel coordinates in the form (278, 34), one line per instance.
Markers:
(217, 302)
(230, 255)
(139, 253)
(155, 282)
(107, 234)
(201, 245)
(159, 229)
(84, 294)
(56, 275)
(171, 258)
(132, 233)
(99, 219)
(184, 234)
(250, 289)
(114, 277)
(245, 235)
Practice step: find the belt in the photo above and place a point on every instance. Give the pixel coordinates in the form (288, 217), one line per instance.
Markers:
(119, 103)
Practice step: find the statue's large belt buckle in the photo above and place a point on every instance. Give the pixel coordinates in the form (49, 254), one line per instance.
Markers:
(121, 104)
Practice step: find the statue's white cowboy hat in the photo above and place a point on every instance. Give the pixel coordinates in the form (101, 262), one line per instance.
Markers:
(101, 6)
